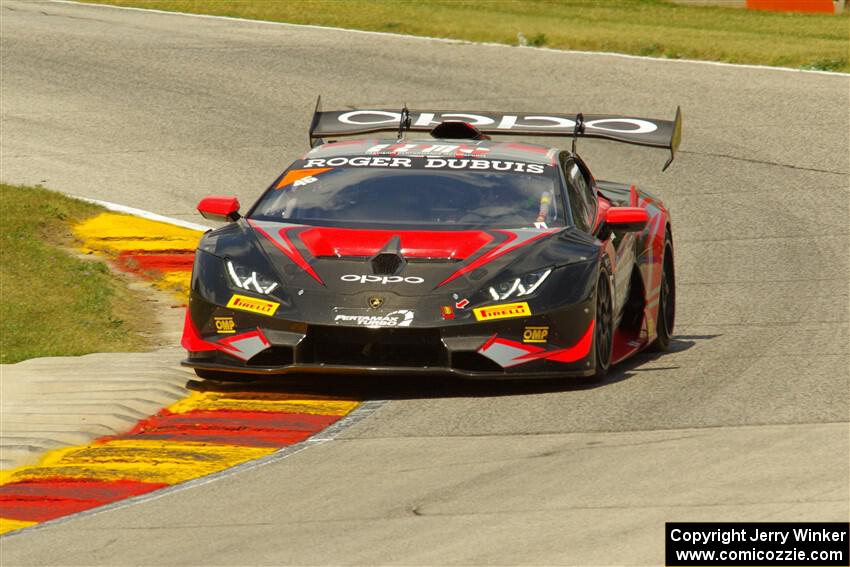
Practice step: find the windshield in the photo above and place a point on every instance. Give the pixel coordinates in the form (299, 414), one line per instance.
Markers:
(469, 196)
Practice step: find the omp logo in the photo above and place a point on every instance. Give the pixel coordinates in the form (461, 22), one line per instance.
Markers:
(383, 280)
(503, 311)
(253, 305)
(506, 121)
(535, 334)
(224, 325)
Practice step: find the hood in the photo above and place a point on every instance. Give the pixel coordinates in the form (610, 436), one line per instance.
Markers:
(327, 273)
(404, 262)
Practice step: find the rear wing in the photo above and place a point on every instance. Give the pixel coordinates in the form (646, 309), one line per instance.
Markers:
(650, 132)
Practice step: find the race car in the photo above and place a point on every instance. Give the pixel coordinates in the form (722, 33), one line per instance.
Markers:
(437, 250)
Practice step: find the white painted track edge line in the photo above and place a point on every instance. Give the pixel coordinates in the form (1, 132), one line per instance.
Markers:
(459, 41)
(364, 410)
(118, 208)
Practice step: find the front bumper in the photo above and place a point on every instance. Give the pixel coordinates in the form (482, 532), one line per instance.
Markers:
(336, 369)
(554, 344)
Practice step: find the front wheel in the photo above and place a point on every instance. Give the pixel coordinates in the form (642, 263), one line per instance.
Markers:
(603, 336)
(666, 301)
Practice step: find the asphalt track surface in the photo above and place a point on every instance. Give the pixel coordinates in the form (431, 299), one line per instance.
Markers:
(747, 418)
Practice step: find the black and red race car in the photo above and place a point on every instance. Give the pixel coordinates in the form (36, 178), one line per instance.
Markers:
(437, 252)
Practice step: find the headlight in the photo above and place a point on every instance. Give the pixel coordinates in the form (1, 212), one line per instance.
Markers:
(519, 287)
(243, 279)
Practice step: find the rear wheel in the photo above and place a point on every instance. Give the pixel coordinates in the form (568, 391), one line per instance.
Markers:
(603, 335)
(666, 301)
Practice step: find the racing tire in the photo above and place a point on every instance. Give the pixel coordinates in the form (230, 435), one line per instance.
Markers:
(666, 302)
(603, 333)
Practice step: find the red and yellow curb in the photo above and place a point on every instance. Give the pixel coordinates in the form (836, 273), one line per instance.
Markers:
(159, 252)
(202, 434)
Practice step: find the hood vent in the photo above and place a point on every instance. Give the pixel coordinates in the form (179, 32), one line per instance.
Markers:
(387, 264)
(389, 261)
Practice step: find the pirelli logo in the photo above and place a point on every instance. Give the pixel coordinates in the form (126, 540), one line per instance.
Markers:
(504, 311)
(252, 304)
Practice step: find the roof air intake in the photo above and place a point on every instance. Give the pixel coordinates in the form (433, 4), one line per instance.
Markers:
(457, 131)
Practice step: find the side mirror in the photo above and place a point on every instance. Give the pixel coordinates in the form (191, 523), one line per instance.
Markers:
(627, 219)
(219, 208)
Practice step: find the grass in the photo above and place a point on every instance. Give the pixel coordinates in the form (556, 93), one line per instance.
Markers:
(640, 27)
(51, 302)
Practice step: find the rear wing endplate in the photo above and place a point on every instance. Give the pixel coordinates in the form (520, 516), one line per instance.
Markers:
(630, 130)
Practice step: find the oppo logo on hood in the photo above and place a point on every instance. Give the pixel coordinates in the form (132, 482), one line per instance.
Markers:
(381, 279)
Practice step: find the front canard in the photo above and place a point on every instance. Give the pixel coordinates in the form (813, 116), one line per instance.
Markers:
(504, 311)
(252, 304)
